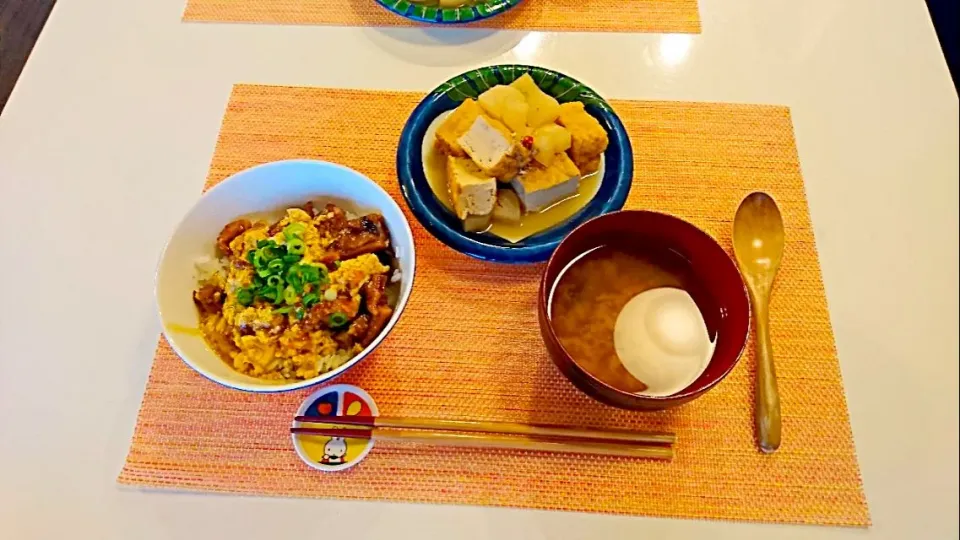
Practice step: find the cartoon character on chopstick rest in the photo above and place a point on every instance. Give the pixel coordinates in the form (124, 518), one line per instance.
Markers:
(334, 451)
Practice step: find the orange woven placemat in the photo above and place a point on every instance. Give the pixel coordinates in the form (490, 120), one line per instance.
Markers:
(468, 345)
(677, 16)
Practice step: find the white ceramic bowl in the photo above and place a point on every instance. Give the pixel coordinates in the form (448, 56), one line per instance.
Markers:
(265, 188)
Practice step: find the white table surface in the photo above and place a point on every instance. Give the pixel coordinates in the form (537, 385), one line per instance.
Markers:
(106, 141)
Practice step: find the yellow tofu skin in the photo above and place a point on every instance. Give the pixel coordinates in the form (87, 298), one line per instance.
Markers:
(591, 166)
(540, 187)
(455, 126)
(537, 178)
(588, 138)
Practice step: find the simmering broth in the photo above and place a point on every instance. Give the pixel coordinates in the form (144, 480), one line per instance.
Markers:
(592, 291)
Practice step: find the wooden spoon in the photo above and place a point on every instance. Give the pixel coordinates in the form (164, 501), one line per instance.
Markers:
(758, 245)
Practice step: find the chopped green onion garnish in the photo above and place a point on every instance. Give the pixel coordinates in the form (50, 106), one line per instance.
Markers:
(276, 266)
(295, 276)
(297, 286)
(292, 258)
(309, 300)
(338, 319)
(263, 243)
(274, 281)
(250, 256)
(296, 246)
(244, 297)
(270, 294)
(268, 253)
(311, 274)
(257, 282)
(284, 309)
(290, 295)
(300, 313)
(294, 230)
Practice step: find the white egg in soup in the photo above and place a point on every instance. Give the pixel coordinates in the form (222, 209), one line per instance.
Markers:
(662, 340)
(633, 319)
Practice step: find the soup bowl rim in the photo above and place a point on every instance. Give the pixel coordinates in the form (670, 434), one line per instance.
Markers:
(595, 387)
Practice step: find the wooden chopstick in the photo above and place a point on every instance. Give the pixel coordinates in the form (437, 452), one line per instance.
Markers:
(622, 436)
(494, 440)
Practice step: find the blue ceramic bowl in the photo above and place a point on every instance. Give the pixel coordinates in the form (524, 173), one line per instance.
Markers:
(443, 224)
(436, 15)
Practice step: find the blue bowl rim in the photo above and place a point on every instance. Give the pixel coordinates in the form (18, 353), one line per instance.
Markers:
(537, 248)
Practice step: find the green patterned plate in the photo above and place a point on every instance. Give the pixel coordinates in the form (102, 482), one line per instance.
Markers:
(444, 225)
(437, 15)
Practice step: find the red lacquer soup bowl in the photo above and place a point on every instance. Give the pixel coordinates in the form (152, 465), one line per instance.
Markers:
(718, 291)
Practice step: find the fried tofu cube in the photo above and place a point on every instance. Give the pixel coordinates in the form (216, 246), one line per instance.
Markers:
(588, 138)
(455, 126)
(473, 193)
(508, 208)
(491, 145)
(540, 187)
(590, 167)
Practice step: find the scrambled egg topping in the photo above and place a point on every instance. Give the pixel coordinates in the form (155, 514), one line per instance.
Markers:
(268, 342)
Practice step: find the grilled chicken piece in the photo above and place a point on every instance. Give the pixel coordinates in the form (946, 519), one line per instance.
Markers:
(375, 300)
(374, 293)
(377, 321)
(358, 329)
(209, 298)
(319, 315)
(231, 231)
(360, 236)
(335, 220)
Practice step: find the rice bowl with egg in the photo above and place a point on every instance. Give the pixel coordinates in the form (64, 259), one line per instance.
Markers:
(300, 297)
(265, 193)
